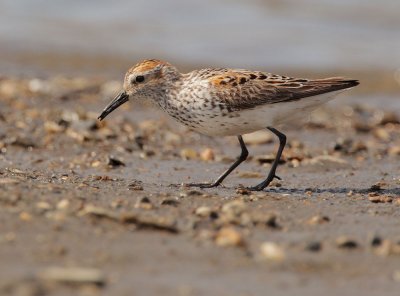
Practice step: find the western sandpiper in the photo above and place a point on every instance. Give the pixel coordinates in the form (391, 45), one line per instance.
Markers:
(227, 102)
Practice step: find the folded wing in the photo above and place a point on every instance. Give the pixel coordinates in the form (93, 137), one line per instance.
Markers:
(241, 89)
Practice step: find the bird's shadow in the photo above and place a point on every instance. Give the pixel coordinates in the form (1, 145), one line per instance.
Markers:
(393, 191)
(336, 190)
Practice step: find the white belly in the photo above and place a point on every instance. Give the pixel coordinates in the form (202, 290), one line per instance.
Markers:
(250, 120)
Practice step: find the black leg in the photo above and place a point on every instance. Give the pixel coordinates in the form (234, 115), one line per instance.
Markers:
(271, 175)
(242, 157)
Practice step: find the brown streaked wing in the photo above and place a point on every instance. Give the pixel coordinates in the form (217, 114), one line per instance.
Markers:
(246, 89)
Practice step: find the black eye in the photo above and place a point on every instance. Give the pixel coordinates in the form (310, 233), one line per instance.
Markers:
(139, 78)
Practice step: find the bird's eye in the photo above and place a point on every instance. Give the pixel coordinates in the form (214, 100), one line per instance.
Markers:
(139, 78)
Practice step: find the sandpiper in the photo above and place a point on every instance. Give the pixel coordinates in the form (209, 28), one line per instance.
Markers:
(227, 102)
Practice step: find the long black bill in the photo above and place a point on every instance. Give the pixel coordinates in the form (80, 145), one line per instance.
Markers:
(118, 101)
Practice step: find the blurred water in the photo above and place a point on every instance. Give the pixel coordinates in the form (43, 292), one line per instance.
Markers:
(361, 34)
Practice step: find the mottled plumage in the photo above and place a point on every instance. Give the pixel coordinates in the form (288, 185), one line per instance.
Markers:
(223, 102)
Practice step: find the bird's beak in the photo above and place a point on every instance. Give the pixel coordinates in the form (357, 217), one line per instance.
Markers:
(118, 101)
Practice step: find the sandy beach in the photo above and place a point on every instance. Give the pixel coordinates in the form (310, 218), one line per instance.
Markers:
(106, 199)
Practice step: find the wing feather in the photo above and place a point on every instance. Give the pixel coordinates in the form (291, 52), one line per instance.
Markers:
(242, 89)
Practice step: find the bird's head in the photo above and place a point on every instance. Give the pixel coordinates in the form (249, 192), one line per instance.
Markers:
(146, 80)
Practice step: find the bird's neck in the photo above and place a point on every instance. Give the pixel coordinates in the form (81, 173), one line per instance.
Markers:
(170, 94)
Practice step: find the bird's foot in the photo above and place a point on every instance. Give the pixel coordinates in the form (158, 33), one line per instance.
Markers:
(264, 184)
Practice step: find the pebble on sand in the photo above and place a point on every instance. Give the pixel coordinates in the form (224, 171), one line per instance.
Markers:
(376, 198)
(272, 251)
(189, 154)
(203, 211)
(207, 154)
(344, 242)
(387, 248)
(25, 216)
(144, 203)
(229, 236)
(73, 275)
(318, 219)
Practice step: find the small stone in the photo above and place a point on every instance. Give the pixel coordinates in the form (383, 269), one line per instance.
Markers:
(318, 219)
(243, 190)
(156, 222)
(272, 251)
(266, 219)
(98, 212)
(235, 215)
(376, 241)
(387, 248)
(16, 171)
(136, 185)
(140, 219)
(73, 275)
(372, 197)
(62, 204)
(389, 117)
(207, 155)
(214, 215)
(357, 147)
(146, 154)
(295, 163)
(234, 208)
(79, 136)
(381, 133)
(170, 202)
(144, 203)
(344, 242)
(104, 178)
(114, 162)
(42, 205)
(203, 211)
(96, 164)
(53, 127)
(191, 193)
(328, 160)
(275, 183)
(377, 186)
(229, 236)
(271, 221)
(189, 154)
(25, 216)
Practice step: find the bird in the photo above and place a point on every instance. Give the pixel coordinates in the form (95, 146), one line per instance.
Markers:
(227, 102)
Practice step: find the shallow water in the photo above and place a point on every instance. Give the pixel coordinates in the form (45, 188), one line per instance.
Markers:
(313, 34)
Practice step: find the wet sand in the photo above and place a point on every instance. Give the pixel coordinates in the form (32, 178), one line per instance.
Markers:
(107, 199)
